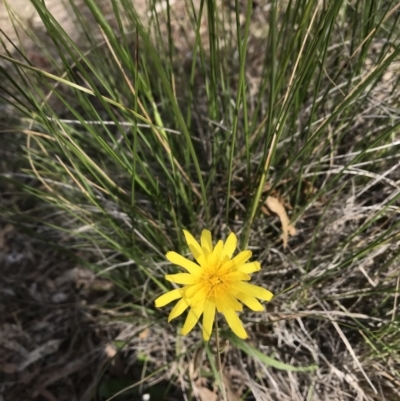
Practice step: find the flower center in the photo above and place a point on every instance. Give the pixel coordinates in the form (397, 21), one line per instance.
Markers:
(215, 284)
(214, 280)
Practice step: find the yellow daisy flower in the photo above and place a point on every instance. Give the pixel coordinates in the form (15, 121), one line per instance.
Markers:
(216, 282)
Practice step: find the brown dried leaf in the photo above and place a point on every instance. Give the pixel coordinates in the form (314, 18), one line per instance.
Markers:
(231, 394)
(144, 334)
(110, 350)
(276, 207)
(205, 394)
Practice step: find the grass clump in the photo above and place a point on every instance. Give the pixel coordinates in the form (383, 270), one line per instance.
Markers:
(190, 115)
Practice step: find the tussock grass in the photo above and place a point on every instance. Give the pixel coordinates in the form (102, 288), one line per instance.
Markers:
(188, 115)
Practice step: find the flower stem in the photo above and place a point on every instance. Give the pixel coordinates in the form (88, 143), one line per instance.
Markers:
(219, 364)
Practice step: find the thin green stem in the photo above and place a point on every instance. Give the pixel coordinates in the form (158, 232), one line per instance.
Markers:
(219, 364)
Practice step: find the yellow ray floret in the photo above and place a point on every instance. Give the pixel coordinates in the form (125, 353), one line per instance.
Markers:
(216, 283)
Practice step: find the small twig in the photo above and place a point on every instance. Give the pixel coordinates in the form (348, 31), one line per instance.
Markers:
(396, 295)
(352, 353)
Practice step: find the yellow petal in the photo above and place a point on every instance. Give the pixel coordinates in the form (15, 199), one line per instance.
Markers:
(242, 258)
(192, 318)
(235, 323)
(250, 301)
(236, 276)
(178, 309)
(208, 319)
(193, 289)
(214, 257)
(226, 267)
(170, 296)
(253, 290)
(194, 247)
(199, 296)
(218, 248)
(206, 242)
(226, 302)
(250, 267)
(187, 264)
(180, 278)
(230, 246)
